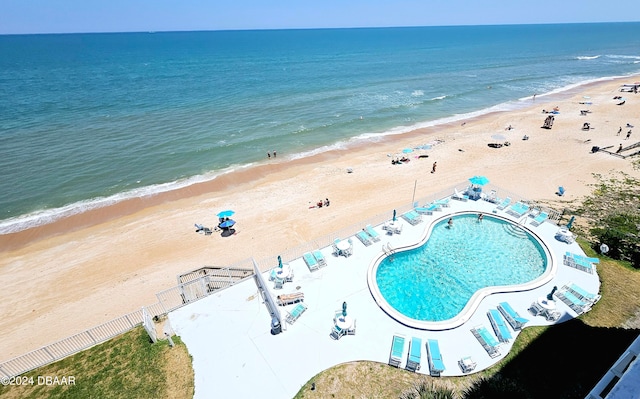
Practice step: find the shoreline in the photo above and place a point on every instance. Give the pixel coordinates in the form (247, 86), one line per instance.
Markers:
(82, 272)
(254, 171)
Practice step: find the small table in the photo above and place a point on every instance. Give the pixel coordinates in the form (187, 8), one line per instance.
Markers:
(344, 322)
(392, 226)
(546, 304)
(343, 246)
(284, 272)
(564, 235)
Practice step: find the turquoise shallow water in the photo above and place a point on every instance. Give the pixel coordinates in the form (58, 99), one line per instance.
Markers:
(89, 119)
(435, 281)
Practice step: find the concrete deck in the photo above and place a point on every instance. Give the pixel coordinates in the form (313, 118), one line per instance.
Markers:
(235, 354)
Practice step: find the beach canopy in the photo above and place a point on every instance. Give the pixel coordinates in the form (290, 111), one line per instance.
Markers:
(226, 214)
(227, 223)
(479, 180)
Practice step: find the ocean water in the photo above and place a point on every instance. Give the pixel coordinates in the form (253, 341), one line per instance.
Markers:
(87, 120)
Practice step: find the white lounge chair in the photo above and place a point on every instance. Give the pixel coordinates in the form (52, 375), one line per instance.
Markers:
(311, 261)
(505, 203)
(412, 217)
(457, 195)
(538, 220)
(322, 262)
(288, 299)
(372, 233)
(364, 238)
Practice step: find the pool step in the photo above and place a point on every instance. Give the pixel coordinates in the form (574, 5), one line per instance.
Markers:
(515, 230)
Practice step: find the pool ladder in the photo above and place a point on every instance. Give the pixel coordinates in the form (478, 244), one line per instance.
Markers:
(388, 249)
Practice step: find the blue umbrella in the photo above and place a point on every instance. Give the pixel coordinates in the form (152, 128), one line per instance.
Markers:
(570, 224)
(479, 180)
(226, 214)
(279, 261)
(344, 309)
(227, 223)
(394, 215)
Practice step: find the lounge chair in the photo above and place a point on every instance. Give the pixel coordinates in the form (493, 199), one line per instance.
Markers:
(288, 299)
(296, 313)
(412, 217)
(442, 202)
(575, 303)
(311, 262)
(582, 294)
(505, 203)
(397, 350)
(499, 325)
(352, 330)
(578, 262)
(278, 282)
(436, 365)
(488, 342)
(428, 209)
(372, 233)
(415, 354)
(538, 220)
(511, 316)
(334, 245)
(337, 332)
(467, 364)
(204, 230)
(457, 195)
(322, 262)
(518, 209)
(364, 238)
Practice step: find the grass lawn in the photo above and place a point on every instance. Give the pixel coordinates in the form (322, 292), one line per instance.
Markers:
(562, 361)
(127, 366)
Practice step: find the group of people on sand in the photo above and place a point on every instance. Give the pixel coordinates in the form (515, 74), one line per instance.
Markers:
(322, 203)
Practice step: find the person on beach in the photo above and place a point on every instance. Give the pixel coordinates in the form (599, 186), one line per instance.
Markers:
(628, 135)
(326, 202)
(433, 168)
(450, 223)
(619, 131)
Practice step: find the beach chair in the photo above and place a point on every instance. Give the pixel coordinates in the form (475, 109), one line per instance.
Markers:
(511, 316)
(364, 238)
(457, 195)
(415, 354)
(372, 233)
(538, 220)
(352, 330)
(499, 325)
(322, 262)
(337, 332)
(518, 209)
(582, 294)
(397, 350)
(412, 217)
(488, 341)
(428, 209)
(578, 262)
(574, 303)
(289, 299)
(334, 245)
(467, 364)
(442, 202)
(436, 365)
(203, 230)
(278, 283)
(311, 262)
(296, 313)
(505, 203)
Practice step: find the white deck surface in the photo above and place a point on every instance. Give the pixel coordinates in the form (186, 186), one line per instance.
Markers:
(235, 355)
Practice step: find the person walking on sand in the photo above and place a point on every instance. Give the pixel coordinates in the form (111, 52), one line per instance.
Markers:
(619, 131)
(433, 168)
(619, 149)
(628, 135)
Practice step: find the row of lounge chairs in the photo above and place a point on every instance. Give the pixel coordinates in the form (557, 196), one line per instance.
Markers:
(289, 299)
(488, 341)
(538, 220)
(295, 313)
(498, 318)
(578, 299)
(412, 217)
(314, 260)
(518, 209)
(414, 355)
(583, 263)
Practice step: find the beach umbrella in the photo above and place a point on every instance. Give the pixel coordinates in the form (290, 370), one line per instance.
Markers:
(279, 261)
(550, 296)
(570, 224)
(479, 180)
(344, 309)
(394, 215)
(227, 223)
(407, 150)
(226, 214)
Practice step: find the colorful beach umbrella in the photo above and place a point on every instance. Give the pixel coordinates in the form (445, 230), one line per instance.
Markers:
(226, 214)
(227, 223)
(479, 180)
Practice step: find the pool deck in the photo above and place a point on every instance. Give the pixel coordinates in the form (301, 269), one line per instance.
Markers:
(235, 354)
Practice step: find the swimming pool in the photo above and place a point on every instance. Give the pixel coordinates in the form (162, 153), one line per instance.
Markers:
(435, 280)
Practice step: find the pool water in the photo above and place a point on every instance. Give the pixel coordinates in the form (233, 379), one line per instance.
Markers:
(435, 281)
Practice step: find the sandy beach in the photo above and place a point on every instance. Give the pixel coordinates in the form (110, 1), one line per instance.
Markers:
(76, 273)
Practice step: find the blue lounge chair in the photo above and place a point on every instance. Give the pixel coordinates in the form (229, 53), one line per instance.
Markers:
(499, 325)
(412, 217)
(518, 209)
(296, 313)
(397, 350)
(505, 203)
(442, 202)
(436, 365)
(372, 233)
(364, 238)
(415, 354)
(575, 303)
(511, 316)
(428, 209)
(582, 294)
(322, 262)
(488, 342)
(578, 262)
(311, 262)
(538, 220)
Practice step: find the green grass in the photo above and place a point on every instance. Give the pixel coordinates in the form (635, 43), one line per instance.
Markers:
(561, 361)
(127, 366)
